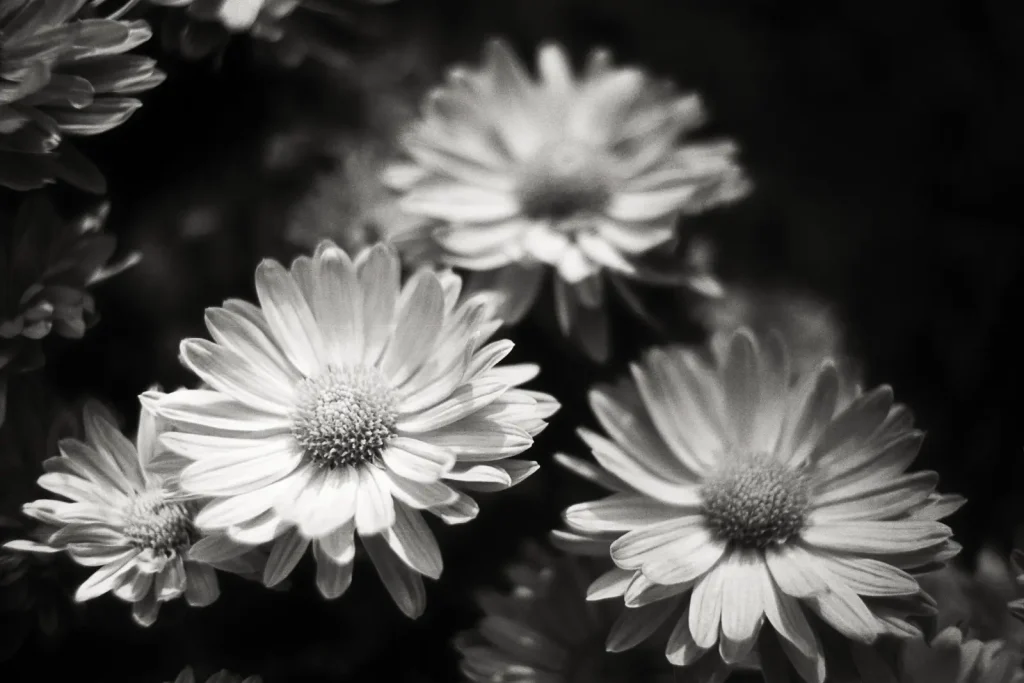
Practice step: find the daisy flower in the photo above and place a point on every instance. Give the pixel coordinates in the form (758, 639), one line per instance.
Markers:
(949, 658)
(62, 74)
(46, 268)
(125, 516)
(348, 403)
(544, 629)
(754, 512)
(579, 174)
(223, 676)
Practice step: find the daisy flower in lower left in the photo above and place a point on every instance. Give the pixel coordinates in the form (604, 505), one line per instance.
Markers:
(126, 517)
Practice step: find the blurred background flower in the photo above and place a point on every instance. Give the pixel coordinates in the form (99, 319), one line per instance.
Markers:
(291, 30)
(973, 596)
(584, 176)
(187, 675)
(544, 628)
(35, 590)
(64, 75)
(953, 658)
(47, 264)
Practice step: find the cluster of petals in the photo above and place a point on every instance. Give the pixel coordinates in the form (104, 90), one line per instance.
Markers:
(123, 516)
(64, 74)
(401, 379)
(515, 177)
(951, 658)
(757, 513)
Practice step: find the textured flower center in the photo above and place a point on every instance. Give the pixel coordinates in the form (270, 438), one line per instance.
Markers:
(564, 180)
(153, 522)
(345, 416)
(755, 501)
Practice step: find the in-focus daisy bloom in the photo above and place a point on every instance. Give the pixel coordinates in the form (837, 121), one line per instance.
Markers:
(223, 676)
(124, 516)
(46, 268)
(348, 403)
(583, 174)
(950, 658)
(64, 75)
(543, 629)
(754, 512)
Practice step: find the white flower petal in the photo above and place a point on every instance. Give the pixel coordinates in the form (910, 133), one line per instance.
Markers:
(338, 305)
(413, 542)
(375, 510)
(403, 584)
(284, 555)
(289, 317)
(234, 375)
(418, 460)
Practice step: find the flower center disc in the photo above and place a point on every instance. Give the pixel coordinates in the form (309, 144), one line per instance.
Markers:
(755, 501)
(562, 181)
(153, 522)
(345, 416)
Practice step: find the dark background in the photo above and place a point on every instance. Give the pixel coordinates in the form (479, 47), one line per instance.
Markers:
(885, 144)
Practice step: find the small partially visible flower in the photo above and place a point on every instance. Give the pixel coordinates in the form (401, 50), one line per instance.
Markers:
(974, 601)
(47, 265)
(64, 75)
(351, 206)
(811, 329)
(292, 29)
(544, 629)
(222, 676)
(35, 602)
(949, 658)
(349, 403)
(126, 516)
(1017, 562)
(581, 175)
(748, 500)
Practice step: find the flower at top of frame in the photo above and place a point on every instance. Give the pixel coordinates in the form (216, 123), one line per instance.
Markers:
(583, 175)
(63, 74)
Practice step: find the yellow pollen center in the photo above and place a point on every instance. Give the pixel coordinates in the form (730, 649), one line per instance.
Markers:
(564, 180)
(155, 523)
(755, 501)
(344, 416)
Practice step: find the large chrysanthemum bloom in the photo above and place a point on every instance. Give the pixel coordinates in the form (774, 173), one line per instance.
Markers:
(583, 174)
(61, 75)
(47, 265)
(544, 629)
(949, 658)
(294, 29)
(347, 403)
(223, 676)
(755, 512)
(125, 515)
